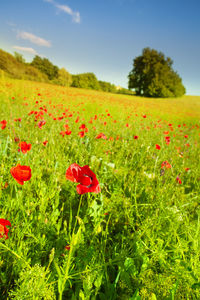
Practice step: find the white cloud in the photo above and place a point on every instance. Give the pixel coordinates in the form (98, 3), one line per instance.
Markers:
(69, 11)
(33, 38)
(66, 9)
(25, 49)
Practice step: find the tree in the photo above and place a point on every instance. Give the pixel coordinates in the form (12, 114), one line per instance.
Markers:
(64, 78)
(45, 66)
(152, 76)
(85, 81)
(107, 87)
(19, 57)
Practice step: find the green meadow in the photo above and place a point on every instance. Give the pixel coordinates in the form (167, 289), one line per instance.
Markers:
(138, 238)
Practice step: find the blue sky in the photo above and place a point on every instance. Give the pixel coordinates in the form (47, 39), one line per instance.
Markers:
(104, 36)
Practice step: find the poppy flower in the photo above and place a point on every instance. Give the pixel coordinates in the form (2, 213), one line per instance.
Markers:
(3, 229)
(45, 142)
(157, 147)
(101, 136)
(3, 124)
(21, 173)
(84, 176)
(68, 132)
(82, 126)
(178, 180)
(166, 164)
(135, 137)
(41, 123)
(24, 147)
(81, 134)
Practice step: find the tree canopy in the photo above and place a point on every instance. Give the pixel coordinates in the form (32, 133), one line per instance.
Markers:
(45, 66)
(64, 78)
(85, 81)
(152, 76)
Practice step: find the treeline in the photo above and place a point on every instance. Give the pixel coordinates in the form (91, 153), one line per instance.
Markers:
(43, 70)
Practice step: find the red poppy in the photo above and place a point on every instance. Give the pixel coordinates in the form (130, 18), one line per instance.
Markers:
(21, 173)
(3, 123)
(82, 126)
(166, 165)
(77, 119)
(81, 133)
(157, 147)
(18, 120)
(135, 137)
(45, 142)
(178, 180)
(167, 140)
(84, 176)
(24, 147)
(41, 123)
(68, 132)
(3, 229)
(101, 136)
(66, 126)
(67, 247)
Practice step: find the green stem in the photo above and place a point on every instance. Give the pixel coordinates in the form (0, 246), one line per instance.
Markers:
(70, 253)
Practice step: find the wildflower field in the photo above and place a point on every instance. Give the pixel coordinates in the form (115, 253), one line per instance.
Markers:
(99, 194)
